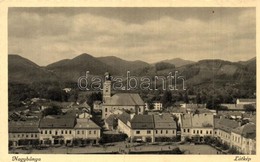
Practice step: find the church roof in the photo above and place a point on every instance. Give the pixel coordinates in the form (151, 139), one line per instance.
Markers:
(125, 99)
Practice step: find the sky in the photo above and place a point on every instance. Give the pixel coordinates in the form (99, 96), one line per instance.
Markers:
(46, 35)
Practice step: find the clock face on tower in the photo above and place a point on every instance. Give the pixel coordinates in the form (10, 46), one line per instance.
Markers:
(107, 76)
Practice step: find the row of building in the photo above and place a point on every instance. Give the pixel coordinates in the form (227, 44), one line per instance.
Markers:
(165, 127)
(53, 131)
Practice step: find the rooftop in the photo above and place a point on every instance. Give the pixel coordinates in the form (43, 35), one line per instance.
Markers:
(226, 124)
(57, 123)
(128, 99)
(248, 130)
(142, 122)
(23, 127)
(164, 121)
(86, 124)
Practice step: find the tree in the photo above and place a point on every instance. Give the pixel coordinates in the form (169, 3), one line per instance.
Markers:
(150, 105)
(198, 99)
(186, 98)
(54, 110)
(166, 99)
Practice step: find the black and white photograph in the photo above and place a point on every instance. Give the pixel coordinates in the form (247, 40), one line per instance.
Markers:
(132, 81)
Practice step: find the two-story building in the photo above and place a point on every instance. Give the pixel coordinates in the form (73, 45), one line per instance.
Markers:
(199, 124)
(23, 133)
(57, 130)
(223, 128)
(243, 138)
(86, 129)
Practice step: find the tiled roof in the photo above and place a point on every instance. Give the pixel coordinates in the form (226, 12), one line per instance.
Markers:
(226, 124)
(186, 121)
(197, 120)
(57, 123)
(142, 122)
(23, 127)
(124, 117)
(111, 119)
(164, 121)
(125, 99)
(86, 124)
(248, 130)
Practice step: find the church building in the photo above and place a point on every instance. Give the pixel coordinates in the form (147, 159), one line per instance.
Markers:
(131, 102)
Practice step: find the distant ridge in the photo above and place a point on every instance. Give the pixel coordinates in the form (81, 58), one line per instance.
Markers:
(178, 62)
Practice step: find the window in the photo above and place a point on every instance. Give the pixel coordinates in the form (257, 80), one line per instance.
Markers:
(166, 131)
(173, 132)
(31, 135)
(210, 132)
(61, 131)
(82, 132)
(77, 132)
(45, 131)
(188, 130)
(50, 132)
(161, 131)
(193, 131)
(105, 109)
(56, 132)
(139, 109)
(200, 131)
(41, 132)
(156, 131)
(89, 132)
(207, 132)
(184, 130)
(14, 136)
(18, 135)
(94, 132)
(26, 135)
(35, 135)
(197, 131)
(66, 132)
(22, 135)
(70, 131)
(137, 132)
(148, 132)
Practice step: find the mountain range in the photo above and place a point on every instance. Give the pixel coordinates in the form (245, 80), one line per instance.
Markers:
(22, 70)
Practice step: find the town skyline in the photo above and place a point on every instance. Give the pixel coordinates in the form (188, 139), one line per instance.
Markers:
(148, 34)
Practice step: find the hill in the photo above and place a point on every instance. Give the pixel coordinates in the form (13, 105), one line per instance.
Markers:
(122, 66)
(72, 69)
(178, 62)
(22, 70)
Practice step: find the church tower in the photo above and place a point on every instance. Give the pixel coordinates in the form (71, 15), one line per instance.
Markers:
(107, 87)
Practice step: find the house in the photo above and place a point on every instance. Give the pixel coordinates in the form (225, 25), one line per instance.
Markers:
(243, 138)
(223, 128)
(84, 115)
(57, 130)
(157, 106)
(23, 133)
(97, 105)
(131, 102)
(111, 122)
(245, 101)
(87, 129)
(164, 127)
(197, 125)
(147, 128)
(67, 90)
